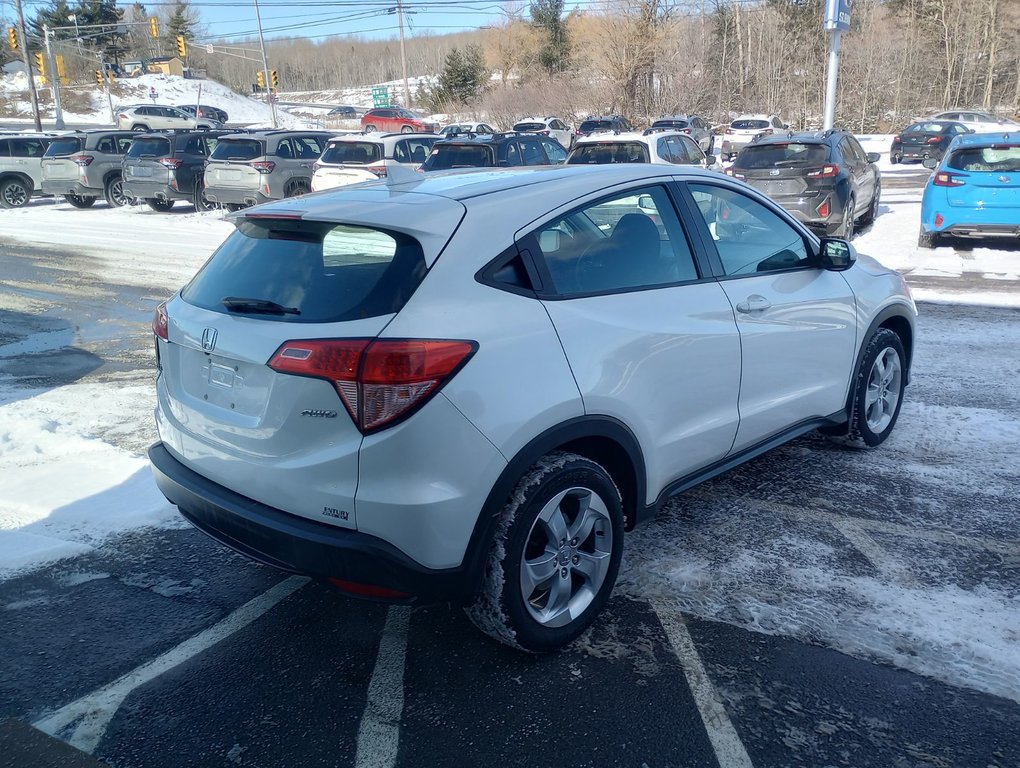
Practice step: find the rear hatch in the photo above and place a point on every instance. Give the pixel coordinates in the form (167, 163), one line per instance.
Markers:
(231, 163)
(991, 177)
(745, 130)
(349, 162)
(266, 431)
(925, 138)
(785, 169)
(57, 163)
(447, 155)
(143, 160)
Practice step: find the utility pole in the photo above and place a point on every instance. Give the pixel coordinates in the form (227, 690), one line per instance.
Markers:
(28, 65)
(403, 57)
(58, 113)
(265, 64)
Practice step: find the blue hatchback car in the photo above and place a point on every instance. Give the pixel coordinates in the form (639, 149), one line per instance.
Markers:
(975, 190)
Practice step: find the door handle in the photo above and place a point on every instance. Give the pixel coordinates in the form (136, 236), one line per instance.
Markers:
(754, 303)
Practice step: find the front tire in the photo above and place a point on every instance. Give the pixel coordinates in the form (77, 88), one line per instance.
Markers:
(869, 218)
(555, 556)
(879, 389)
(15, 193)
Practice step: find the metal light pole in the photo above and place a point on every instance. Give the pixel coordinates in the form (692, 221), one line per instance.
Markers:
(829, 118)
(403, 57)
(28, 65)
(265, 65)
(58, 112)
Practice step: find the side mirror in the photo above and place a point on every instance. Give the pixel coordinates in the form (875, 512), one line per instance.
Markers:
(837, 255)
(646, 201)
(874, 157)
(786, 126)
(710, 160)
(930, 163)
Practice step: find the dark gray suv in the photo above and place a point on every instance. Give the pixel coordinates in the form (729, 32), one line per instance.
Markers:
(162, 168)
(826, 180)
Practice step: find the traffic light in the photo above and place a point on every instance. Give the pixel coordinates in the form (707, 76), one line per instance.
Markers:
(274, 79)
(40, 63)
(260, 79)
(12, 38)
(61, 69)
(182, 49)
(99, 77)
(153, 26)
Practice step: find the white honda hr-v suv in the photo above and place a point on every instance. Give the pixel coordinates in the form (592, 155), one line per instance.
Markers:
(467, 387)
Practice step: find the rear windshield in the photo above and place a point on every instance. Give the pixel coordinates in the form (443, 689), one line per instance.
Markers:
(446, 156)
(531, 127)
(747, 125)
(352, 153)
(238, 149)
(1002, 158)
(596, 125)
(927, 128)
(790, 155)
(154, 147)
(315, 272)
(669, 124)
(600, 153)
(65, 145)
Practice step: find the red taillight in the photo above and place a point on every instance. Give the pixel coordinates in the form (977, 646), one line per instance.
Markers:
(378, 170)
(936, 139)
(379, 380)
(122, 116)
(687, 130)
(263, 166)
(160, 322)
(173, 163)
(82, 160)
(544, 133)
(368, 590)
(896, 140)
(825, 172)
(939, 221)
(823, 209)
(733, 173)
(730, 131)
(946, 179)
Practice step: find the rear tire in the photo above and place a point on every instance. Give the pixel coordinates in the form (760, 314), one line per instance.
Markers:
(15, 193)
(201, 202)
(80, 201)
(928, 239)
(406, 129)
(159, 205)
(370, 129)
(234, 207)
(555, 556)
(139, 128)
(114, 192)
(297, 188)
(894, 159)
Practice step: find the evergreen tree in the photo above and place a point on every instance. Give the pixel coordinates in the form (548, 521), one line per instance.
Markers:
(547, 15)
(54, 15)
(180, 21)
(464, 75)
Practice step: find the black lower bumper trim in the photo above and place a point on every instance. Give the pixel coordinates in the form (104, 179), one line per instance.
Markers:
(298, 545)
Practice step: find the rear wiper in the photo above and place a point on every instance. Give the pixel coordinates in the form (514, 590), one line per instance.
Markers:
(260, 306)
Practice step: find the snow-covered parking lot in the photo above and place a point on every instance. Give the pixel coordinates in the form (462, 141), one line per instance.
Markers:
(908, 555)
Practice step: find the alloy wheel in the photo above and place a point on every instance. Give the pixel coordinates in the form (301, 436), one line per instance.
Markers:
(15, 195)
(883, 393)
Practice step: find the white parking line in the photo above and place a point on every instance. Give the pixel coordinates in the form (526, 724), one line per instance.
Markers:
(729, 749)
(379, 732)
(886, 565)
(91, 714)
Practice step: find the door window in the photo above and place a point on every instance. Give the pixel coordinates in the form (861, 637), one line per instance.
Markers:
(5, 149)
(194, 146)
(285, 150)
(308, 147)
(107, 144)
(513, 154)
(677, 150)
(555, 151)
(27, 148)
(749, 237)
(630, 241)
(124, 144)
(694, 153)
(532, 153)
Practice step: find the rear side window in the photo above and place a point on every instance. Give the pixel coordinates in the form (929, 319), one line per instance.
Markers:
(1002, 158)
(446, 156)
(600, 153)
(310, 272)
(154, 147)
(413, 150)
(237, 149)
(63, 146)
(791, 155)
(352, 153)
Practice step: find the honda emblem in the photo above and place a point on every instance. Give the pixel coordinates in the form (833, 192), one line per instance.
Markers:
(209, 339)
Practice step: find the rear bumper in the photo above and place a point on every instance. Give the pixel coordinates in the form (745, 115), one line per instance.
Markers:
(145, 190)
(238, 196)
(1008, 231)
(69, 187)
(298, 545)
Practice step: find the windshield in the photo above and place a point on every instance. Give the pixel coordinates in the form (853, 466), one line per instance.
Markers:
(150, 147)
(792, 155)
(1002, 158)
(749, 125)
(446, 156)
(531, 127)
(603, 152)
(65, 145)
(237, 149)
(326, 272)
(352, 153)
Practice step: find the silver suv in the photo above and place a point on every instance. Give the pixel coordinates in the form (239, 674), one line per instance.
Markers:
(250, 168)
(161, 117)
(366, 157)
(21, 168)
(466, 387)
(86, 165)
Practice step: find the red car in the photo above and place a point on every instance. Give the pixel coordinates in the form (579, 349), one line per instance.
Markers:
(396, 120)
